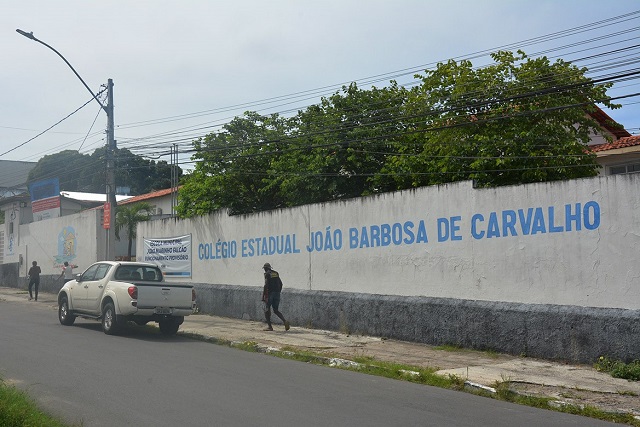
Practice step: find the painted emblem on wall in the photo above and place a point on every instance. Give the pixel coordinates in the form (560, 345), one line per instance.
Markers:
(67, 245)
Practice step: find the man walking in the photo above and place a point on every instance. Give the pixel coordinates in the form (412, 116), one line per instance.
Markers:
(34, 279)
(271, 296)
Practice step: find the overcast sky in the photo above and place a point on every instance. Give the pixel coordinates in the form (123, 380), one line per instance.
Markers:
(183, 68)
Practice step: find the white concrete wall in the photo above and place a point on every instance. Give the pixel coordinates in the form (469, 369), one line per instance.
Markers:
(44, 242)
(512, 244)
(163, 202)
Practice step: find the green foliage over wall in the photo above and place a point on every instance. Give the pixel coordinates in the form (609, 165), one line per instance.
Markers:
(518, 120)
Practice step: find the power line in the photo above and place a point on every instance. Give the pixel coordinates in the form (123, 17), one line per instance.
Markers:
(155, 143)
(49, 128)
(406, 71)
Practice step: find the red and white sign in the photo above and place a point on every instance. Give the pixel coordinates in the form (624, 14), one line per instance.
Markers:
(46, 208)
(45, 199)
(106, 217)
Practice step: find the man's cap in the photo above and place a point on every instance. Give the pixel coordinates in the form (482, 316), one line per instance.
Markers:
(267, 265)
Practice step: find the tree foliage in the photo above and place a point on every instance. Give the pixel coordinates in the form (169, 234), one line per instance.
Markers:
(68, 166)
(519, 120)
(87, 172)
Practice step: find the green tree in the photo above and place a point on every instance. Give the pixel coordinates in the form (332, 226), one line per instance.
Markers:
(87, 172)
(68, 166)
(519, 120)
(128, 217)
(328, 152)
(140, 174)
(235, 168)
(336, 148)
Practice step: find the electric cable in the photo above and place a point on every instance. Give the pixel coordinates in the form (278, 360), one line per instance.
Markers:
(168, 139)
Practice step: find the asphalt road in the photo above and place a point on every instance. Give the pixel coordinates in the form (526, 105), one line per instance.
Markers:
(144, 379)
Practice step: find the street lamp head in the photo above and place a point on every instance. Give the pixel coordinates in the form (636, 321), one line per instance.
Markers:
(27, 35)
(30, 35)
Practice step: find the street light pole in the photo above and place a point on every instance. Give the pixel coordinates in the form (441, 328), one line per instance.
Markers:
(110, 150)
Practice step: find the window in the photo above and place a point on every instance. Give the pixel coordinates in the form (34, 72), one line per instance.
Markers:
(622, 169)
(152, 274)
(136, 272)
(149, 275)
(102, 271)
(90, 273)
(124, 273)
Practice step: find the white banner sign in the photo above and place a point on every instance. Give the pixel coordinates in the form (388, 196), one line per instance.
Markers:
(171, 254)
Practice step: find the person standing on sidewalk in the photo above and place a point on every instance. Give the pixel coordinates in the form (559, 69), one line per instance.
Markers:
(67, 271)
(271, 296)
(34, 279)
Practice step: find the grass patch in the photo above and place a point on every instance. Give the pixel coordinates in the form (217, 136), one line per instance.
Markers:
(618, 369)
(368, 365)
(457, 349)
(449, 347)
(17, 409)
(592, 412)
(504, 392)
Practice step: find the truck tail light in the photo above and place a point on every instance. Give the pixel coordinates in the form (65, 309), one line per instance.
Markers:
(193, 294)
(133, 292)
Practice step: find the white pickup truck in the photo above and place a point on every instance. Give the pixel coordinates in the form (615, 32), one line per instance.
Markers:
(118, 292)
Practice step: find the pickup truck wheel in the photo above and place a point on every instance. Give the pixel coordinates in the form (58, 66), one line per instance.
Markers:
(109, 323)
(169, 326)
(64, 316)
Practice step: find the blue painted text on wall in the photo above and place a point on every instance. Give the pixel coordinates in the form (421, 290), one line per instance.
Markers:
(507, 223)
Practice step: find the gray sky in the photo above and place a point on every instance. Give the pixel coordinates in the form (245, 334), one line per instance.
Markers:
(183, 68)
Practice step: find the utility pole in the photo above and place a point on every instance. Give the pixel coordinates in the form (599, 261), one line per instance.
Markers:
(174, 179)
(110, 252)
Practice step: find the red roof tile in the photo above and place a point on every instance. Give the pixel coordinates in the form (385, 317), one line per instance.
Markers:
(629, 141)
(147, 196)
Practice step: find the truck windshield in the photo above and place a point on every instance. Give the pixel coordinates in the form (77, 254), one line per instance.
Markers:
(137, 272)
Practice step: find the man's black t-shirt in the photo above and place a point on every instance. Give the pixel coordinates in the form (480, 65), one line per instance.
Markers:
(272, 282)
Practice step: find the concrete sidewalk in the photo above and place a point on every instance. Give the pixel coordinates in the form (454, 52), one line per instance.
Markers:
(570, 384)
